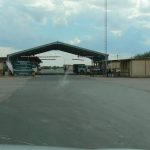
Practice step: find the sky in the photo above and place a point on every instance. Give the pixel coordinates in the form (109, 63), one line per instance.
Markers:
(29, 23)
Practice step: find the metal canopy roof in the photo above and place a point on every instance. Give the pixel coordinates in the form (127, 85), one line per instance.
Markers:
(62, 47)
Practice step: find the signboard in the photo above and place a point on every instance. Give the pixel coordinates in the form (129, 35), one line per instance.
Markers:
(22, 67)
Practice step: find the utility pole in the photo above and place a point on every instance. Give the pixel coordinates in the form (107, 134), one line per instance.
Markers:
(105, 34)
(105, 24)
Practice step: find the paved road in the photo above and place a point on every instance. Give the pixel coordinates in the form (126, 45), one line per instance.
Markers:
(59, 71)
(75, 111)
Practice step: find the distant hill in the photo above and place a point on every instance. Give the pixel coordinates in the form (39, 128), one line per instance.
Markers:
(146, 54)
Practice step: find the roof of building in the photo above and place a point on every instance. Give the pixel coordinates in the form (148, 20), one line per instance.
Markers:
(62, 47)
(128, 59)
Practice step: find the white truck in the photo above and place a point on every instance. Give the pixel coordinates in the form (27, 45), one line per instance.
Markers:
(79, 68)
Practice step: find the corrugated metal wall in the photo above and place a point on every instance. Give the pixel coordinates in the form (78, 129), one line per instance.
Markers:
(148, 68)
(140, 68)
(1, 69)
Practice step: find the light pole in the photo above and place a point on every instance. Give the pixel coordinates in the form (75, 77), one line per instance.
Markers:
(106, 6)
(118, 57)
(106, 31)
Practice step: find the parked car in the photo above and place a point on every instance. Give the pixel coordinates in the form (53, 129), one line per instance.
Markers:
(96, 70)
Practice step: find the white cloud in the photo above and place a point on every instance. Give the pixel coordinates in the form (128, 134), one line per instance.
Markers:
(1, 4)
(144, 24)
(34, 22)
(62, 12)
(137, 13)
(42, 4)
(75, 41)
(139, 10)
(147, 25)
(122, 55)
(117, 33)
(4, 51)
(147, 42)
(57, 11)
(60, 22)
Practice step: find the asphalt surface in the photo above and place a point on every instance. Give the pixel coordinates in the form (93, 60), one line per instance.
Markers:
(75, 111)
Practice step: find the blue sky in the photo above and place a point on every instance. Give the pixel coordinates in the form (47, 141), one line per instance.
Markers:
(28, 23)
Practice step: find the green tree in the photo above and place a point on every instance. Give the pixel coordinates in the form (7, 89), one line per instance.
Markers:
(146, 54)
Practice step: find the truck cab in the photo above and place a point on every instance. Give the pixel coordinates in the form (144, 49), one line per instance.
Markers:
(79, 68)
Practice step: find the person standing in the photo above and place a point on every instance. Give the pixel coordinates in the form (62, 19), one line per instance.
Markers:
(65, 69)
(33, 72)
